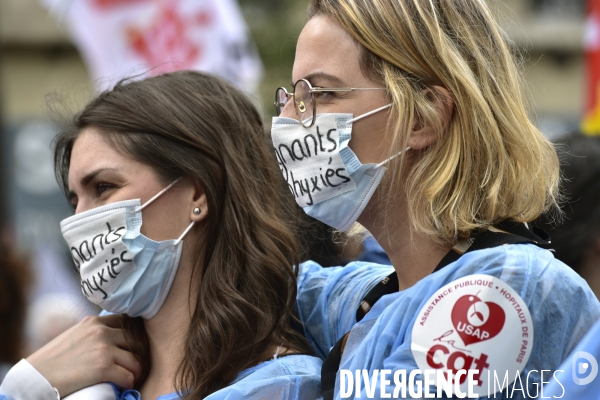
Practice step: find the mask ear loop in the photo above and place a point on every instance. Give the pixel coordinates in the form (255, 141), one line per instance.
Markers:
(369, 113)
(184, 233)
(156, 196)
(391, 158)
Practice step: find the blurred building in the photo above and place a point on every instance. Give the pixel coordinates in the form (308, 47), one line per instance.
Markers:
(36, 56)
(35, 59)
(551, 31)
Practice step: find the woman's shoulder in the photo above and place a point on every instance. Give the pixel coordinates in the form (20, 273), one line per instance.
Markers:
(313, 270)
(295, 376)
(292, 377)
(287, 365)
(510, 261)
(354, 277)
(543, 284)
(327, 299)
(506, 260)
(354, 280)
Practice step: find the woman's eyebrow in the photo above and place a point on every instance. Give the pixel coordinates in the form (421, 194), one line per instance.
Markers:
(88, 178)
(331, 79)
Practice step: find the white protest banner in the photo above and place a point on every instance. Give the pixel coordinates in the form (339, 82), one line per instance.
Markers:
(122, 38)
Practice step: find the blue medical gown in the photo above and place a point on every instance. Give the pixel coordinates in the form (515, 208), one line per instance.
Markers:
(563, 385)
(562, 307)
(293, 377)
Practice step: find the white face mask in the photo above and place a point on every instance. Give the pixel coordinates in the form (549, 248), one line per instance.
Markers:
(325, 176)
(121, 270)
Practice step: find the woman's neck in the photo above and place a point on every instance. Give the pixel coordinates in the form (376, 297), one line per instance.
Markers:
(166, 336)
(414, 256)
(167, 332)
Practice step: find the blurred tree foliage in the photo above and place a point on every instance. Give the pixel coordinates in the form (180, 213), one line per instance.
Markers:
(275, 26)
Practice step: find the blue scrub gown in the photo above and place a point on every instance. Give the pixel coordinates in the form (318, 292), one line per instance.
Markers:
(583, 367)
(292, 377)
(562, 307)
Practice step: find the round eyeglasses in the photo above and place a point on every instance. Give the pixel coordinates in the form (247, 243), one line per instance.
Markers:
(303, 96)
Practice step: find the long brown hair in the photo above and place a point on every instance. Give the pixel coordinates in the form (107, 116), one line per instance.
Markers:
(192, 124)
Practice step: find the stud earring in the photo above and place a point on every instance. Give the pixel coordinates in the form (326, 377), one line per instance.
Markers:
(196, 211)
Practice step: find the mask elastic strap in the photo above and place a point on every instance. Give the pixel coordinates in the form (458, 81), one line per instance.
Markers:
(369, 113)
(184, 233)
(391, 158)
(157, 195)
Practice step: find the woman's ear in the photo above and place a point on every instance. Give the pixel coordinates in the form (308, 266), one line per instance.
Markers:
(423, 135)
(199, 203)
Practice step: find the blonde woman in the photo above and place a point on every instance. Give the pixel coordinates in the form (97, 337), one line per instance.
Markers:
(411, 118)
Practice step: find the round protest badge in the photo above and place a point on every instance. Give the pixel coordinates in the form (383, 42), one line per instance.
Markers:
(474, 323)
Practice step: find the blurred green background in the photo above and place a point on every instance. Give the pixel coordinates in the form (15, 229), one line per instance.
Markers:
(275, 26)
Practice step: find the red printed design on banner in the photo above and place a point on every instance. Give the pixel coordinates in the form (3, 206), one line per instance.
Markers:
(107, 4)
(167, 44)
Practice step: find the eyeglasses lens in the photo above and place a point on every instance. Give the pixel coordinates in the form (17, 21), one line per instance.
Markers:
(281, 99)
(303, 100)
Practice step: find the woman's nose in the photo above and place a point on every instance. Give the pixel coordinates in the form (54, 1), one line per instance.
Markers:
(288, 110)
(83, 205)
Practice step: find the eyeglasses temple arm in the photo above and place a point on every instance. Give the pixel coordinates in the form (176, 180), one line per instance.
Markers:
(313, 90)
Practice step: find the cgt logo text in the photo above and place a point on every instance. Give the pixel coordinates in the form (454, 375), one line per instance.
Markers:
(432, 384)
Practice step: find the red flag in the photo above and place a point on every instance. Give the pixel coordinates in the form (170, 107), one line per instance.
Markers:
(591, 120)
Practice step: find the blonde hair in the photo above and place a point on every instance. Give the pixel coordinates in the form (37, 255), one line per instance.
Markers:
(490, 163)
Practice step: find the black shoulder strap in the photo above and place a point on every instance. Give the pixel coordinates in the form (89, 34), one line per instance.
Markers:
(501, 234)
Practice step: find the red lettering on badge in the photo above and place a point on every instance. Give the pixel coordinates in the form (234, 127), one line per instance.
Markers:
(456, 361)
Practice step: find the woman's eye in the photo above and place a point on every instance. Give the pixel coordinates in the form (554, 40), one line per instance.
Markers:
(325, 96)
(103, 187)
(73, 201)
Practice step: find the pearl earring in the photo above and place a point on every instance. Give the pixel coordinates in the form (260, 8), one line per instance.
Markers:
(196, 211)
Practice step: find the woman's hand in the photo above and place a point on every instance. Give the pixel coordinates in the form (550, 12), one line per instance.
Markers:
(91, 352)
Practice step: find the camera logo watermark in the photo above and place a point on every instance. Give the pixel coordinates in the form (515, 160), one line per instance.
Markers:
(581, 368)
